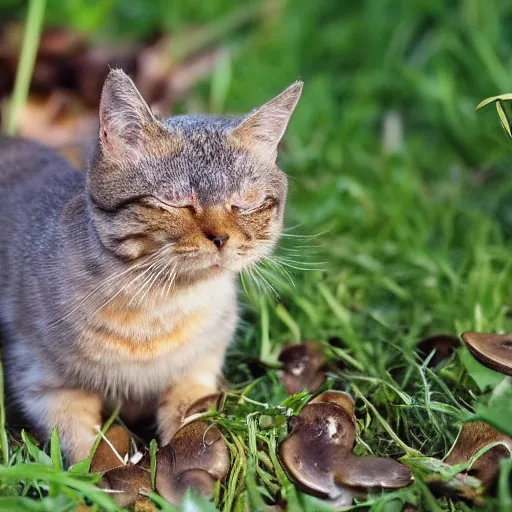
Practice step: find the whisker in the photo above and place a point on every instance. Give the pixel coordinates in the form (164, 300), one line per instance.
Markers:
(259, 273)
(300, 265)
(145, 281)
(156, 255)
(101, 286)
(172, 278)
(278, 267)
(152, 282)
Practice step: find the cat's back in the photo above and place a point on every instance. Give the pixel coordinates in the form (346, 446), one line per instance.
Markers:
(35, 185)
(26, 164)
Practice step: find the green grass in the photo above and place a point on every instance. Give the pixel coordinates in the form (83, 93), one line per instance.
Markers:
(408, 190)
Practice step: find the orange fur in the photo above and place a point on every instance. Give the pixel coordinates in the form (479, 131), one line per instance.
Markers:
(108, 337)
(174, 402)
(76, 413)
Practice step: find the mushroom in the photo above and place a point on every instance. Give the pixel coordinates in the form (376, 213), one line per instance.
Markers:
(339, 398)
(302, 366)
(128, 482)
(318, 453)
(492, 350)
(204, 404)
(197, 457)
(472, 438)
(104, 457)
(443, 344)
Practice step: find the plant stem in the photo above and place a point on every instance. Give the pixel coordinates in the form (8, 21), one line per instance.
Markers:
(31, 38)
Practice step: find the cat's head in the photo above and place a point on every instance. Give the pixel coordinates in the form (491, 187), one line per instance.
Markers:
(204, 192)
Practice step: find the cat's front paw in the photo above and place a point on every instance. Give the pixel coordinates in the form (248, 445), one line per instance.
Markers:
(171, 419)
(169, 422)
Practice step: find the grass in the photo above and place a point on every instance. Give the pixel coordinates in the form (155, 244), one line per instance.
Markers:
(26, 63)
(409, 190)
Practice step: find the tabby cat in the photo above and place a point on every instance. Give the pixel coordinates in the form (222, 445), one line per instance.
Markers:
(119, 284)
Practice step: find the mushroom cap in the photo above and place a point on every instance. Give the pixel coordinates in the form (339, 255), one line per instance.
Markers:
(322, 433)
(130, 480)
(318, 453)
(443, 344)
(204, 404)
(302, 366)
(492, 350)
(472, 438)
(328, 422)
(104, 457)
(372, 472)
(197, 457)
(339, 398)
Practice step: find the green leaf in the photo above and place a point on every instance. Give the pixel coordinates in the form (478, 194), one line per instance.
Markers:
(503, 117)
(34, 451)
(504, 492)
(192, 502)
(80, 467)
(502, 97)
(55, 451)
(24, 504)
(153, 447)
(483, 376)
(312, 504)
(221, 81)
(39, 472)
(498, 413)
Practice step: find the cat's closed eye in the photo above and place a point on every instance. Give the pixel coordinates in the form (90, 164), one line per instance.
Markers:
(245, 209)
(167, 205)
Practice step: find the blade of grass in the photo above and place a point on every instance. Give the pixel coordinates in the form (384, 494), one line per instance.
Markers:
(407, 449)
(55, 451)
(505, 121)
(152, 461)
(26, 63)
(36, 472)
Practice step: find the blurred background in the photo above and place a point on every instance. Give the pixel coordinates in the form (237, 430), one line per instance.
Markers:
(404, 187)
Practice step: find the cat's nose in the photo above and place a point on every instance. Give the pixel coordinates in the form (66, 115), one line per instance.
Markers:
(219, 239)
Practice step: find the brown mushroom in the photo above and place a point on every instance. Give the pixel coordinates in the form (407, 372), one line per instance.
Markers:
(339, 398)
(104, 457)
(128, 482)
(318, 453)
(443, 344)
(492, 350)
(205, 404)
(303, 365)
(471, 439)
(372, 472)
(196, 457)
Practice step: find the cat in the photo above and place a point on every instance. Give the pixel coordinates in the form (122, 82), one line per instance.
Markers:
(118, 284)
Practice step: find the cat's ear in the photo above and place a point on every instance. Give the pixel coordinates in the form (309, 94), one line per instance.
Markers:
(125, 117)
(263, 128)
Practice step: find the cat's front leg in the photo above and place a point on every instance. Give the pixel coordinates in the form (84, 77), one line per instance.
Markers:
(201, 380)
(75, 413)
